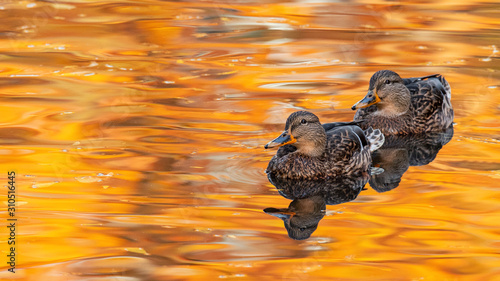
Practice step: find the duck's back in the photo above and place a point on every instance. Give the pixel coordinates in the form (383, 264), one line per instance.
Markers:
(430, 102)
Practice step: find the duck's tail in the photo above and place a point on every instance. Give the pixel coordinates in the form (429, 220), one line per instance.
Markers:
(375, 138)
(446, 86)
(445, 90)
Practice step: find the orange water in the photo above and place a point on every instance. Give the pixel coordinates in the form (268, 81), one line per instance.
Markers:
(136, 129)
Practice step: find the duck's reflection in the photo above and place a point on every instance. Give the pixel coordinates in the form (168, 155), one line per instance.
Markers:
(310, 198)
(302, 216)
(400, 152)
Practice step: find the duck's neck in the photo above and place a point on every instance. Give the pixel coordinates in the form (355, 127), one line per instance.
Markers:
(396, 105)
(311, 151)
(314, 147)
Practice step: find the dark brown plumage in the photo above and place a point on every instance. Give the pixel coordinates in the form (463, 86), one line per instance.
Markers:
(309, 152)
(399, 106)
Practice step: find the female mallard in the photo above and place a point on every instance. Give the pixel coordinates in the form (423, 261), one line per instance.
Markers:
(405, 106)
(309, 150)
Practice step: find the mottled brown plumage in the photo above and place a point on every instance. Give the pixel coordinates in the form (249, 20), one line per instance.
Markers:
(399, 106)
(309, 152)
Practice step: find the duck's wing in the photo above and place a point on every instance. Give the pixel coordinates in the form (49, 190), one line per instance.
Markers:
(412, 80)
(356, 132)
(344, 141)
(375, 138)
(435, 84)
(331, 126)
(348, 150)
(430, 97)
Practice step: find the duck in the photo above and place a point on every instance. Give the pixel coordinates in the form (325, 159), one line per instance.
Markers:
(405, 106)
(308, 150)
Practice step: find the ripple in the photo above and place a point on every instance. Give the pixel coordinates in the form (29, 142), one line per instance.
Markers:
(166, 139)
(294, 85)
(168, 103)
(246, 171)
(240, 247)
(117, 265)
(178, 272)
(16, 135)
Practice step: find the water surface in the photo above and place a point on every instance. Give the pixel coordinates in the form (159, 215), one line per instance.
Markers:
(136, 130)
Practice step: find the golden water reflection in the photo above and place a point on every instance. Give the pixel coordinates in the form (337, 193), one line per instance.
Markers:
(136, 130)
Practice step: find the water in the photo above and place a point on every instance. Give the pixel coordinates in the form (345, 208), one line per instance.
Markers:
(136, 131)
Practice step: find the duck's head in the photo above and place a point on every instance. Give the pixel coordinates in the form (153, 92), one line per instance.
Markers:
(388, 92)
(304, 131)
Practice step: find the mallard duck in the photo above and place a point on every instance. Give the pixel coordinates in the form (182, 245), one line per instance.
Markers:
(309, 150)
(399, 106)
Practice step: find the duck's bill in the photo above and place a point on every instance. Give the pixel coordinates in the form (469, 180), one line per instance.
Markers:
(283, 139)
(370, 98)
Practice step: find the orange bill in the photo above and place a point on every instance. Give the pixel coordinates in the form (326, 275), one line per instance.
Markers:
(370, 98)
(283, 139)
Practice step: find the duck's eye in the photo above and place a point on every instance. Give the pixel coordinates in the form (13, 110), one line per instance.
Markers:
(303, 121)
(387, 81)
